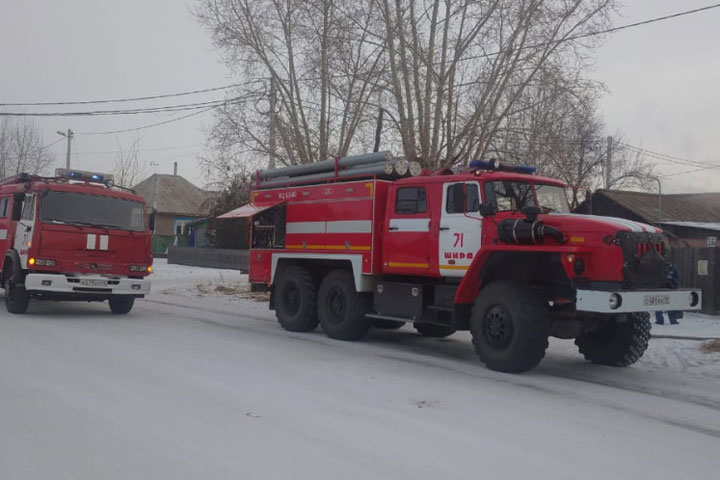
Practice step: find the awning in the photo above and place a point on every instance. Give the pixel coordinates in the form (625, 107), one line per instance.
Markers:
(250, 209)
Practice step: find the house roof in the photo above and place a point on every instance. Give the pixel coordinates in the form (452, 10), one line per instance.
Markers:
(681, 207)
(174, 194)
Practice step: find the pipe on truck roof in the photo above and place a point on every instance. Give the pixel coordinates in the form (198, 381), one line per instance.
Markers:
(325, 165)
(384, 170)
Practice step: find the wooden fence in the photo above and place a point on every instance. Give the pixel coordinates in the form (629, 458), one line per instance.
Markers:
(700, 268)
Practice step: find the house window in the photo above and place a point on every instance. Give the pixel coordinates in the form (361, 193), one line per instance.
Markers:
(410, 200)
(182, 227)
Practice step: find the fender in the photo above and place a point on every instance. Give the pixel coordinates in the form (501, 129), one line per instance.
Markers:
(473, 279)
(14, 259)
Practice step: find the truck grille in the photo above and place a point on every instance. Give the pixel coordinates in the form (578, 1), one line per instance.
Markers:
(644, 262)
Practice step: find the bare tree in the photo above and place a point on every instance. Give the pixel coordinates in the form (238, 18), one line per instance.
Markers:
(21, 148)
(128, 167)
(317, 56)
(451, 74)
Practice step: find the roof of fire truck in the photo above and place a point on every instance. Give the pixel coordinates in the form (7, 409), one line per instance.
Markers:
(479, 174)
(102, 185)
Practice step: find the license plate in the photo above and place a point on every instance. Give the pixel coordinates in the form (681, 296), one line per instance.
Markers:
(93, 283)
(656, 300)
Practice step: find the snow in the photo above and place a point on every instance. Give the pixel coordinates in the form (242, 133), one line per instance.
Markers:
(701, 225)
(198, 383)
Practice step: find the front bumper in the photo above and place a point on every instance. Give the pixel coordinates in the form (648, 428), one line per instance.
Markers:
(638, 300)
(86, 284)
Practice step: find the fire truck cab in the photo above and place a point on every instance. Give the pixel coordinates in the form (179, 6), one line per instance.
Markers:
(73, 237)
(494, 250)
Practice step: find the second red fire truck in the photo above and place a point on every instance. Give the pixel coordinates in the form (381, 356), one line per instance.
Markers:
(73, 237)
(353, 244)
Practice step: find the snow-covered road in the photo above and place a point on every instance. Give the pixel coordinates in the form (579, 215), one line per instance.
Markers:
(193, 385)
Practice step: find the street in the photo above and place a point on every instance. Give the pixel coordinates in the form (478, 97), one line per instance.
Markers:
(195, 387)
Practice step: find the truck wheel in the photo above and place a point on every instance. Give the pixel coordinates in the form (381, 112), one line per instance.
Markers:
(617, 344)
(17, 298)
(388, 324)
(121, 305)
(341, 308)
(435, 331)
(510, 327)
(295, 300)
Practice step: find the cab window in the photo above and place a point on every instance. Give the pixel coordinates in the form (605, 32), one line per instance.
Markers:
(410, 200)
(455, 194)
(28, 212)
(3, 207)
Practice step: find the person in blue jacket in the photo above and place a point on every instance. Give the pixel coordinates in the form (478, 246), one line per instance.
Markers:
(673, 281)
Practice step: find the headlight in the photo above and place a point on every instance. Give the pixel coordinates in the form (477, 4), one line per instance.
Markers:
(615, 301)
(140, 268)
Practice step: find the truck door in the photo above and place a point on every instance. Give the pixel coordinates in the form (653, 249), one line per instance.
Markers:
(460, 228)
(24, 228)
(405, 245)
(4, 225)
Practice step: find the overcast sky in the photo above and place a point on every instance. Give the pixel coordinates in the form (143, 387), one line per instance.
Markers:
(662, 79)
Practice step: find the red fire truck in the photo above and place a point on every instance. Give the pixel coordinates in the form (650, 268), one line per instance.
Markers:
(73, 237)
(494, 250)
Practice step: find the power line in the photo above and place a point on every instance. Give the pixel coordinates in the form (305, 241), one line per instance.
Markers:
(134, 111)
(599, 32)
(133, 99)
(165, 122)
(172, 120)
(665, 157)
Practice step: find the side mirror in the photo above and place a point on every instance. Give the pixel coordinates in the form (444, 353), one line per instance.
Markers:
(151, 222)
(487, 210)
(18, 199)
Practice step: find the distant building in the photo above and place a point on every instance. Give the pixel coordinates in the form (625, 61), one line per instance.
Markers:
(177, 203)
(689, 219)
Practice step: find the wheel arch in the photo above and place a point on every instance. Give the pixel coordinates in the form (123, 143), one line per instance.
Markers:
(530, 266)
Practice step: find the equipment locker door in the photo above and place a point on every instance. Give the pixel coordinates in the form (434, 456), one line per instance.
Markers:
(405, 246)
(460, 228)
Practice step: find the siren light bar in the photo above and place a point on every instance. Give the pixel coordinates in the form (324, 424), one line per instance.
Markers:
(84, 176)
(494, 164)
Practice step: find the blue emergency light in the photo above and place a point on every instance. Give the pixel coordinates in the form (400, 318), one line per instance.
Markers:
(494, 164)
(83, 176)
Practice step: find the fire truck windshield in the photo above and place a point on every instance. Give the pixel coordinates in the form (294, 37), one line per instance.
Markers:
(551, 198)
(92, 210)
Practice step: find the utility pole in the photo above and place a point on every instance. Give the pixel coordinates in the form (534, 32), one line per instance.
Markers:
(272, 143)
(608, 161)
(69, 135)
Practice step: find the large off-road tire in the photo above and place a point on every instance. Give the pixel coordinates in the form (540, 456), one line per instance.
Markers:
(620, 342)
(295, 300)
(510, 326)
(435, 331)
(121, 305)
(387, 324)
(341, 309)
(17, 298)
